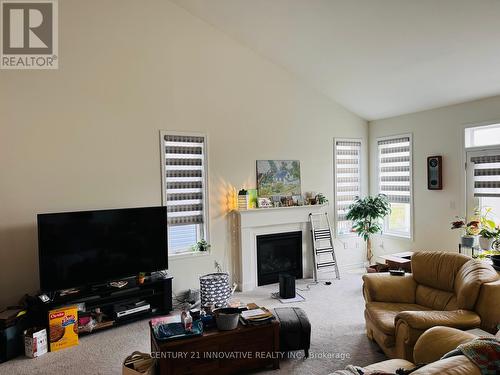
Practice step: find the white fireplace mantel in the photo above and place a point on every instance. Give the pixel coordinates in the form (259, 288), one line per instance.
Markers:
(261, 221)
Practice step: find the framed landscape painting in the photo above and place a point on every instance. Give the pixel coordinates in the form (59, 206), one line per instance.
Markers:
(278, 177)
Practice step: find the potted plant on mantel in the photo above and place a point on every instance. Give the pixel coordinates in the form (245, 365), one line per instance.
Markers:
(367, 214)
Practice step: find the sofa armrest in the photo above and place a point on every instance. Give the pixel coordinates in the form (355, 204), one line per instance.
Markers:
(382, 287)
(422, 320)
(488, 306)
(437, 341)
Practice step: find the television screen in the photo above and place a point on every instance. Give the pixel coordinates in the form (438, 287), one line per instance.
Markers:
(90, 247)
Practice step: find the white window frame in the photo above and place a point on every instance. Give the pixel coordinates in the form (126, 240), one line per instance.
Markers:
(335, 140)
(488, 125)
(204, 229)
(463, 205)
(385, 231)
(472, 202)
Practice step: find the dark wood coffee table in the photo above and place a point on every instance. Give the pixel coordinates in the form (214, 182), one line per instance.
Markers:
(220, 352)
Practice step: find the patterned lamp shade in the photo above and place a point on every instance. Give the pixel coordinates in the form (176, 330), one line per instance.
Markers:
(215, 288)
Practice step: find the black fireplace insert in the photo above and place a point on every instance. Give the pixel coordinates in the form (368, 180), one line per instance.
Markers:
(278, 253)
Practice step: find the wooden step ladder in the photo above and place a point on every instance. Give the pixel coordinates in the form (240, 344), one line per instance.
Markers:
(323, 252)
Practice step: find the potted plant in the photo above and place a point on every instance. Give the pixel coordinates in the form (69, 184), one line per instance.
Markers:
(367, 214)
(201, 245)
(321, 199)
(486, 238)
(470, 230)
(488, 232)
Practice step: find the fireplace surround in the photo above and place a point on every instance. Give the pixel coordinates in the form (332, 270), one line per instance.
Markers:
(251, 224)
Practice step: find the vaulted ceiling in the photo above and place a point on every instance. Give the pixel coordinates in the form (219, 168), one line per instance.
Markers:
(378, 58)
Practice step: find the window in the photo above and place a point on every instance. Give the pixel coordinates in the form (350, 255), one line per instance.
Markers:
(347, 180)
(483, 181)
(184, 189)
(395, 181)
(483, 169)
(482, 136)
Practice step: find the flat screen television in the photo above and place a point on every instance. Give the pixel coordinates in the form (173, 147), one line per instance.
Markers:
(85, 248)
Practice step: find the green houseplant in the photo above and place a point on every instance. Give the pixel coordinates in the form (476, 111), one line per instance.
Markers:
(321, 199)
(487, 237)
(470, 229)
(201, 246)
(367, 214)
(489, 232)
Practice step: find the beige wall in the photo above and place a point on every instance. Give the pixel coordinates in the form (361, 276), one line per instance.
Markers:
(86, 136)
(435, 132)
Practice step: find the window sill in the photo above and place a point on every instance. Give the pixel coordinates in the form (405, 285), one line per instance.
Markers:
(188, 255)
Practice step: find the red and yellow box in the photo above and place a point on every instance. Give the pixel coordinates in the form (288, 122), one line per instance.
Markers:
(63, 328)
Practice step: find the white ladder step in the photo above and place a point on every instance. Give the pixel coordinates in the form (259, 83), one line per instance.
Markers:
(320, 250)
(326, 264)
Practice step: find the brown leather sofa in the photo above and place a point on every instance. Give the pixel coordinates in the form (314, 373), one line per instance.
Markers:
(445, 289)
(430, 347)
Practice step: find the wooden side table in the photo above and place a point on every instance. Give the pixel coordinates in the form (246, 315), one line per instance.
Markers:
(220, 352)
(399, 260)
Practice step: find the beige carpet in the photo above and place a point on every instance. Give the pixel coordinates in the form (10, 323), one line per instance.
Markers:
(335, 312)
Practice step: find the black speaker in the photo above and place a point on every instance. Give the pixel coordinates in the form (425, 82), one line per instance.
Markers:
(435, 173)
(287, 286)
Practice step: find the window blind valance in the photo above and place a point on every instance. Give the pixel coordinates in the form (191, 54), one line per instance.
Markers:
(394, 169)
(184, 179)
(486, 175)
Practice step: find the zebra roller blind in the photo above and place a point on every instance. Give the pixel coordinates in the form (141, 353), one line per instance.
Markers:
(395, 169)
(347, 180)
(486, 175)
(184, 179)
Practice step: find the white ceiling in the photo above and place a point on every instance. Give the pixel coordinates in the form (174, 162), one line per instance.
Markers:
(378, 58)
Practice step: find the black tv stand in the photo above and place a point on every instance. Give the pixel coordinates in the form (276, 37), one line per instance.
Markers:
(101, 303)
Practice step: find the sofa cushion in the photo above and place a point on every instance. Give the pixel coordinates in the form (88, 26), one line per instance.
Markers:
(383, 314)
(469, 279)
(437, 269)
(435, 299)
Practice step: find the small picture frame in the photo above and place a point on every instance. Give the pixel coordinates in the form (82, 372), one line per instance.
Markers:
(265, 203)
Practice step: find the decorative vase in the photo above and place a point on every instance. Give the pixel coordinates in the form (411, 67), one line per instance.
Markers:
(467, 241)
(486, 243)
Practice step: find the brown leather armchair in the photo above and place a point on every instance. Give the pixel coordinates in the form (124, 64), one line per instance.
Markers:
(445, 289)
(430, 347)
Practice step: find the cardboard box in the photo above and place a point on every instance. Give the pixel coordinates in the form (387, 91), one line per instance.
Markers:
(35, 342)
(63, 328)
